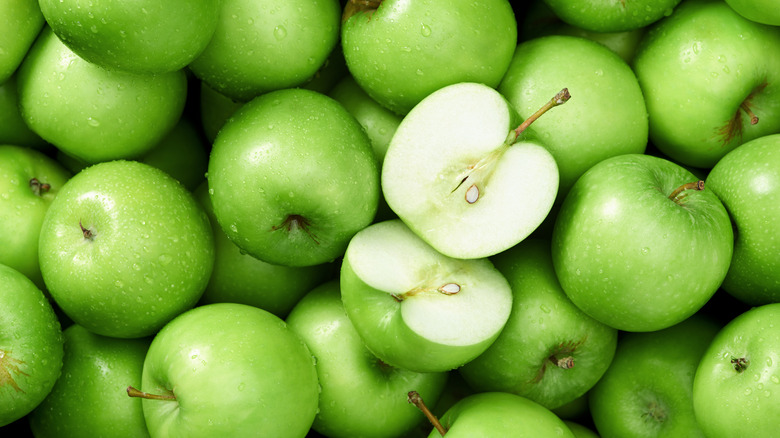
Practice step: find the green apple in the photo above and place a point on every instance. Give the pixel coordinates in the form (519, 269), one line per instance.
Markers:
(418, 309)
(20, 23)
(261, 46)
(761, 11)
(611, 16)
(646, 392)
(307, 166)
(124, 248)
(639, 244)
(145, 36)
(736, 390)
(238, 277)
(82, 108)
(401, 51)
(181, 154)
(215, 110)
(13, 130)
(29, 182)
(549, 351)
(747, 181)
(606, 117)
(711, 81)
(228, 370)
(361, 395)
(580, 431)
(461, 178)
(30, 346)
(90, 399)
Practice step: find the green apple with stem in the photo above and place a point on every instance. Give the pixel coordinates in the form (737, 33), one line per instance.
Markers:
(401, 51)
(461, 173)
(228, 369)
(736, 390)
(238, 277)
(416, 308)
(611, 16)
(747, 181)
(31, 346)
(549, 350)
(308, 168)
(124, 248)
(646, 392)
(361, 395)
(640, 244)
(80, 107)
(29, 182)
(22, 20)
(90, 399)
(261, 46)
(761, 11)
(711, 80)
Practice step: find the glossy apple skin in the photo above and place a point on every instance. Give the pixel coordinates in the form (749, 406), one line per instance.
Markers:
(696, 67)
(403, 51)
(728, 402)
(261, 46)
(13, 130)
(21, 22)
(747, 181)
(22, 208)
(607, 16)
(361, 396)
(761, 11)
(293, 152)
(182, 154)
(30, 346)
(121, 36)
(543, 323)
(150, 257)
(647, 389)
(632, 258)
(235, 370)
(90, 397)
(80, 107)
(500, 414)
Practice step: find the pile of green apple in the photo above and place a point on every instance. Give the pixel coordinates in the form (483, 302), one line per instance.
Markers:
(389, 218)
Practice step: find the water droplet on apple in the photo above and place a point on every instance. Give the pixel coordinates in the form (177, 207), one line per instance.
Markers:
(241, 386)
(92, 122)
(775, 379)
(544, 308)
(748, 391)
(164, 259)
(425, 30)
(645, 251)
(280, 32)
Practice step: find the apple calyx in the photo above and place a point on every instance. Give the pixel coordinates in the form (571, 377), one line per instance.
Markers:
(677, 194)
(734, 126)
(295, 222)
(414, 398)
(562, 357)
(354, 7)
(39, 188)
(88, 233)
(479, 173)
(740, 364)
(654, 412)
(9, 365)
(446, 289)
(132, 392)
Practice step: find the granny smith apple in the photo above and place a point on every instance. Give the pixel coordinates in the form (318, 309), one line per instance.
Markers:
(90, 399)
(93, 113)
(736, 391)
(182, 153)
(21, 22)
(549, 350)
(710, 80)
(124, 248)
(361, 395)
(29, 182)
(416, 308)
(307, 167)
(13, 130)
(611, 16)
(747, 181)
(238, 277)
(265, 45)
(761, 11)
(457, 173)
(606, 117)
(146, 36)
(215, 110)
(401, 51)
(640, 243)
(646, 392)
(30, 346)
(228, 370)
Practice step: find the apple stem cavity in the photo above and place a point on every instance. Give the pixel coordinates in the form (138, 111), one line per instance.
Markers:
(675, 195)
(740, 364)
(88, 234)
(294, 222)
(415, 399)
(132, 392)
(565, 363)
(354, 7)
(38, 187)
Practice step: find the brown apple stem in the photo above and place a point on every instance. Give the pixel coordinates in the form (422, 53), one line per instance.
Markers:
(88, 234)
(132, 392)
(562, 97)
(744, 106)
(38, 187)
(415, 399)
(565, 363)
(674, 196)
